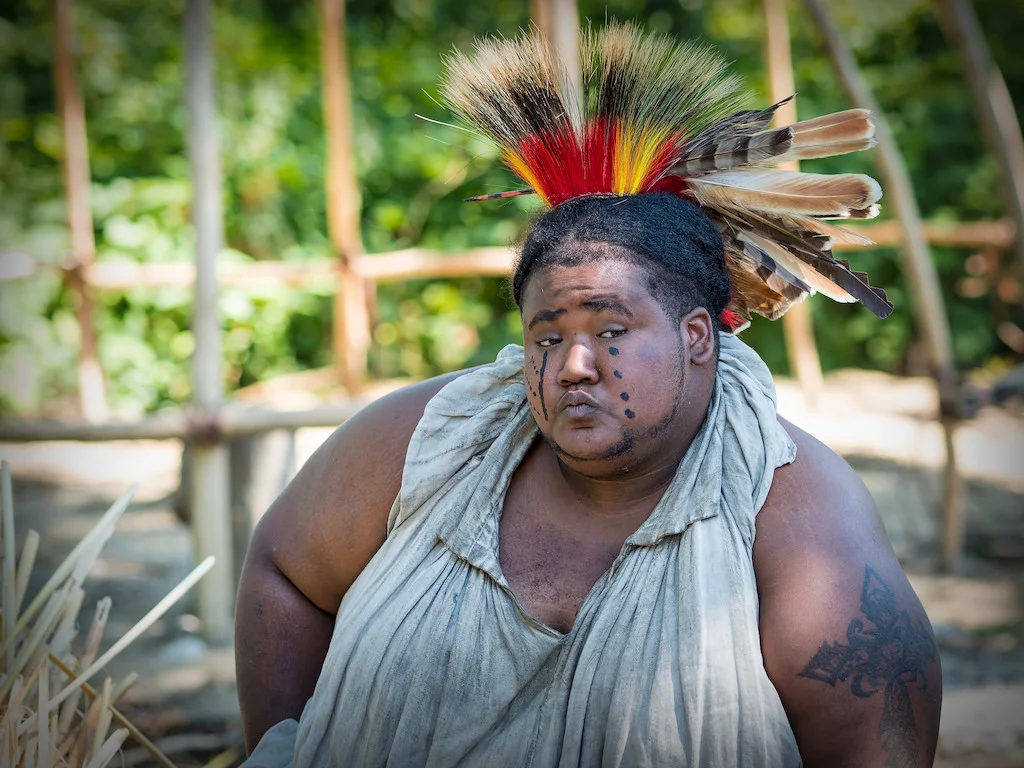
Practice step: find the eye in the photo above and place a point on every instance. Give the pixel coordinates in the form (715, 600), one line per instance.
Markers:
(611, 333)
(547, 342)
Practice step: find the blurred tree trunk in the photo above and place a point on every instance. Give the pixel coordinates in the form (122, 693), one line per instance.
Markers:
(918, 268)
(994, 108)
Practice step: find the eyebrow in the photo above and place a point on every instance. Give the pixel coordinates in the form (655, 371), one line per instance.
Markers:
(594, 305)
(545, 316)
(601, 305)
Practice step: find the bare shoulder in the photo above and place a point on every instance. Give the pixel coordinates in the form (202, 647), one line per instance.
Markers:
(331, 519)
(844, 638)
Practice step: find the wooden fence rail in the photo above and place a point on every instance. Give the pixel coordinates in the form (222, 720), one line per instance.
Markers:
(420, 263)
(230, 421)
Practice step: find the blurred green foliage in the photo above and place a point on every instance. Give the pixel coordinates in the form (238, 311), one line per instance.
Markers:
(413, 175)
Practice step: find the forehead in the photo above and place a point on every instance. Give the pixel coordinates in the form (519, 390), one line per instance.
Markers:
(603, 275)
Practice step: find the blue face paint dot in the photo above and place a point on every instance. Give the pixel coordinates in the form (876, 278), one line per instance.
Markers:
(624, 396)
(618, 374)
(613, 350)
(629, 414)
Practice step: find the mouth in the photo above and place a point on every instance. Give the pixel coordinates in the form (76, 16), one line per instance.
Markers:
(577, 404)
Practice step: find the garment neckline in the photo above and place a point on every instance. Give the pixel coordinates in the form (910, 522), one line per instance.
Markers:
(474, 535)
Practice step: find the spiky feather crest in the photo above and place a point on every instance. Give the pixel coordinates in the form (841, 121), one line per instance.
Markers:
(655, 115)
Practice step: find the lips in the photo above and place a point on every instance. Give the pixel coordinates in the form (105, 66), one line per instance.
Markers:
(576, 402)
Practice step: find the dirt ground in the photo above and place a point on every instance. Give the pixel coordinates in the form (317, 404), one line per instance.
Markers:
(185, 699)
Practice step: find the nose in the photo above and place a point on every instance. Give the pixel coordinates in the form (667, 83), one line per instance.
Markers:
(578, 367)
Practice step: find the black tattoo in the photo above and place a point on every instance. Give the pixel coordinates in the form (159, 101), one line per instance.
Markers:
(888, 657)
(629, 413)
(540, 385)
(618, 374)
(613, 350)
(624, 396)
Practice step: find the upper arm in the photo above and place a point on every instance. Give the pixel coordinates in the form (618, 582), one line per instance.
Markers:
(331, 519)
(844, 638)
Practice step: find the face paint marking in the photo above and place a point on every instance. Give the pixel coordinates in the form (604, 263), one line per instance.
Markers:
(618, 374)
(629, 414)
(613, 350)
(540, 386)
(624, 396)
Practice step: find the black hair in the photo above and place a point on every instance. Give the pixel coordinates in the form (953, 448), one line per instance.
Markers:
(675, 243)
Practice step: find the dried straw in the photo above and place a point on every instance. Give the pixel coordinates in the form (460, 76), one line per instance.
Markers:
(37, 728)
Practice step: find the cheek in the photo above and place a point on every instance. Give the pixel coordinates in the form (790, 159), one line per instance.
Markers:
(539, 381)
(646, 382)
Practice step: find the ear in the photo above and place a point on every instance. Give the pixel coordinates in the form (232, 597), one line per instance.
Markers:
(698, 330)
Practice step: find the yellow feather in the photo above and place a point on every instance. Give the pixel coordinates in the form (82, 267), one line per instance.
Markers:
(523, 170)
(635, 153)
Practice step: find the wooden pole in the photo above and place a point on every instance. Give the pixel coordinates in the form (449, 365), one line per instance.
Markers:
(71, 110)
(210, 482)
(351, 316)
(994, 108)
(918, 267)
(559, 22)
(797, 324)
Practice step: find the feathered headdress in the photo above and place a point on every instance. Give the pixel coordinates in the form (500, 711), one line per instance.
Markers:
(657, 116)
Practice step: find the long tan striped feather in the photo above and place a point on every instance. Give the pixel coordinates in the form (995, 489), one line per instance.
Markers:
(810, 250)
(786, 192)
(816, 151)
(745, 254)
(837, 126)
(799, 225)
(794, 264)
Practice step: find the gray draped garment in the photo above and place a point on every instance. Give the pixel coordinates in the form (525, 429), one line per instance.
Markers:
(434, 662)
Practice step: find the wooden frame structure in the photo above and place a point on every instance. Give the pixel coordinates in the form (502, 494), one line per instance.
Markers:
(210, 422)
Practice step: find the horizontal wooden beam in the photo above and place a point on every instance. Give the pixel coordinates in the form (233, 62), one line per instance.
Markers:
(416, 264)
(120, 276)
(231, 421)
(419, 263)
(385, 267)
(997, 234)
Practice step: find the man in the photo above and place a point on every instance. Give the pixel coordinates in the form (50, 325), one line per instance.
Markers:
(605, 548)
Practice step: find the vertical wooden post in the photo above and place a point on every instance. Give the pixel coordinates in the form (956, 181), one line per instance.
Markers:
(559, 22)
(70, 108)
(994, 108)
(797, 324)
(917, 266)
(351, 317)
(210, 494)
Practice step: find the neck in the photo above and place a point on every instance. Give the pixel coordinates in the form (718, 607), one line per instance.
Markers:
(621, 495)
(627, 490)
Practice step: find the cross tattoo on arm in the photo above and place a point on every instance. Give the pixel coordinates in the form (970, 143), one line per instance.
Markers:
(888, 656)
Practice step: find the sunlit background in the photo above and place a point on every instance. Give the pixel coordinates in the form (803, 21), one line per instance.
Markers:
(412, 177)
(878, 407)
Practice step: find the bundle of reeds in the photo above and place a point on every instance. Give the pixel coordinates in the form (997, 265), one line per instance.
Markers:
(45, 721)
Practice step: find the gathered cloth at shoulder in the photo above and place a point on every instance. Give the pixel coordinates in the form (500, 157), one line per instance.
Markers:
(460, 422)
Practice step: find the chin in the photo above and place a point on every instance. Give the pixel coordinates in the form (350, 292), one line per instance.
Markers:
(580, 450)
